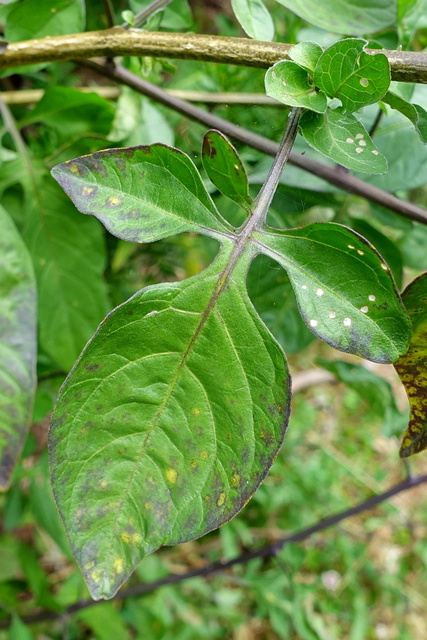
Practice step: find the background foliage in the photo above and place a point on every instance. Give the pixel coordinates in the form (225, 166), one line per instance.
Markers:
(364, 579)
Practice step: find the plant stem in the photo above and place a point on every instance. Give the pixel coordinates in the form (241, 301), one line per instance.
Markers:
(331, 174)
(268, 189)
(145, 14)
(217, 567)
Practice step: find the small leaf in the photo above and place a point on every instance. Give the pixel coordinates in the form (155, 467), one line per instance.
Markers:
(352, 305)
(412, 368)
(306, 54)
(18, 345)
(168, 422)
(416, 114)
(344, 139)
(254, 18)
(287, 82)
(345, 71)
(225, 169)
(345, 17)
(141, 194)
(38, 18)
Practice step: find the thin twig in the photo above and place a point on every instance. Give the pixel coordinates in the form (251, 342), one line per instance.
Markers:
(145, 14)
(329, 173)
(109, 11)
(376, 122)
(217, 567)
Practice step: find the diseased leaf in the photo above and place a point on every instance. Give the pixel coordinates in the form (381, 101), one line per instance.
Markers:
(225, 169)
(287, 82)
(169, 420)
(69, 259)
(345, 292)
(412, 368)
(345, 71)
(355, 17)
(416, 114)
(384, 245)
(344, 139)
(306, 54)
(30, 19)
(18, 345)
(141, 194)
(254, 18)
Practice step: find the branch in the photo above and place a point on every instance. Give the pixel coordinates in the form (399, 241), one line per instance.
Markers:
(264, 552)
(406, 66)
(330, 173)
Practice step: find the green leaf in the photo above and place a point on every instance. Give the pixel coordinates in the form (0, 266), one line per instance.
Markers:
(353, 306)
(274, 299)
(412, 368)
(69, 259)
(225, 169)
(19, 630)
(72, 113)
(355, 17)
(345, 71)
(18, 345)
(38, 18)
(147, 425)
(141, 194)
(416, 114)
(254, 18)
(105, 621)
(306, 54)
(287, 82)
(344, 139)
(373, 389)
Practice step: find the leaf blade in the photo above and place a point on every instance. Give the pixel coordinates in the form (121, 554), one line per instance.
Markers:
(355, 306)
(222, 431)
(18, 345)
(412, 367)
(141, 194)
(287, 82)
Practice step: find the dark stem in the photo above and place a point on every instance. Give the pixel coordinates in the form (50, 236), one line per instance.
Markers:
(326, 172)
(376, 122)
(218, 567)
(145, 14)
(109, 10)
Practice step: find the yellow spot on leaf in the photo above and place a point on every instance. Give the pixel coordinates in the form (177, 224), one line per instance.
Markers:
(204, 455)
(221, 499)
(74, 168)
(118, 565)
(235, 480)
(196, 411)
(171, 475)
(114, 201)
(90, 565)
(125, 537)
(86, 191)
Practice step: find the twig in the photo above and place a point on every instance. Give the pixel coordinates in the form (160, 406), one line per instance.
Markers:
(264, 552)
(145, 14)
(376, 122)
(329, 173)
(406, 66)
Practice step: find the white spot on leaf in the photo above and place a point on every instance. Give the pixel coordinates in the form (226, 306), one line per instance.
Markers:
(350, 140)
(384, 266)
(364, 82)
(364, 309)
(347, 322)
(304, 286)
(319, 292)
(372, 298)
(375, 152)
(359, 149)
(362, 143)
(332, 314)
(359, 136)
(360, 252)
(313, 323)
(350, 246)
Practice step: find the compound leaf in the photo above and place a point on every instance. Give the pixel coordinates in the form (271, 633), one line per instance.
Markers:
(353, 306)
(287, 82)
(225, 169)
(18, 345)
(412, 368)
(345, 71)
(344, 139)
(141, 194)
(151, 444)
